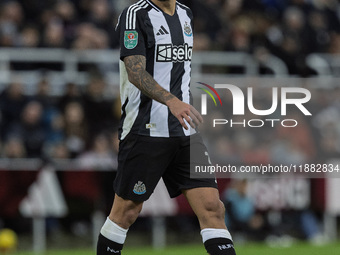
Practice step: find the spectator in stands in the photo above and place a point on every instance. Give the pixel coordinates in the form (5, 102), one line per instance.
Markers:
(90, 37)
(240, 35)
(318, 35)
(12, 103)
(101, 155)
(55, 132)
(76, 131)
(293, 48)
(206, 11)
(53, 36)
(100, 15)
(11, 19)
(29, 129)
(67, 15)
(99, 109)
(71, 94)
(14, 148)
(103, 16)
(329, 9)
(241, 213)
(29, 37)
(52, 119)
(42, 95)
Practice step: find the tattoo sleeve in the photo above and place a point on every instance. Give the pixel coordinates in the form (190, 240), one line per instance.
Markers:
(138, 76)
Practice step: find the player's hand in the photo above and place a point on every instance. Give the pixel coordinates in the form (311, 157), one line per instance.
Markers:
(183, 111)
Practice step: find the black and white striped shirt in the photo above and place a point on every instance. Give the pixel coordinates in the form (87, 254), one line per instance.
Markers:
(166, 42)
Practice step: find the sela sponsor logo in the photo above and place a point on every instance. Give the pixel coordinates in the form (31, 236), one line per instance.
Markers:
(302, 96)
(173, 53)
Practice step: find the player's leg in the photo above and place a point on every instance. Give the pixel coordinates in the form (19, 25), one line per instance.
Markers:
(113, 233)
(141, 163)
(210, 212)
(201, 192)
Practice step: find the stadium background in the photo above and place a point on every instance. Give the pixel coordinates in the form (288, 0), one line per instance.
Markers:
(59, 105)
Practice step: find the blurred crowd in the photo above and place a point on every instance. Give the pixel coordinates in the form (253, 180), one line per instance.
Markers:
(289, 29)
(43, 126)
(85, 24)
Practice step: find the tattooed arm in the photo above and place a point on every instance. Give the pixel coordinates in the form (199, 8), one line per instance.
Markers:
(138, 76)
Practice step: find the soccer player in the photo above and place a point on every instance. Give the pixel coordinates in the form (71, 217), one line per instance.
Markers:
(157, 127)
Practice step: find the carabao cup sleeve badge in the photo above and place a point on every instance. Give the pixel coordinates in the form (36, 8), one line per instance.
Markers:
(130, 39)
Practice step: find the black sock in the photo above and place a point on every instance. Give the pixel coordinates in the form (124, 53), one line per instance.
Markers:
(220, 246)
(108, 247)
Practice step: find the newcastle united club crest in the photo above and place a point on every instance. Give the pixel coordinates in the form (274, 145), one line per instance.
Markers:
(187, 29)
(139, 188)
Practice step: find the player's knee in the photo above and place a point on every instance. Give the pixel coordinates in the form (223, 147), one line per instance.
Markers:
(126, 213)
(214, 209)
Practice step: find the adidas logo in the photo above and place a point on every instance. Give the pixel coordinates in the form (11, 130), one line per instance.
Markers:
(162, 31)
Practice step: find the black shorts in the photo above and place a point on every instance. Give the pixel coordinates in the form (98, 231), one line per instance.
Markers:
(143, 160)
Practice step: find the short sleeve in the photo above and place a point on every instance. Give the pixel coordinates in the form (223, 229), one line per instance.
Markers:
(131, 34)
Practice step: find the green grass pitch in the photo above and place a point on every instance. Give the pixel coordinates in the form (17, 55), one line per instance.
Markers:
(249, 249)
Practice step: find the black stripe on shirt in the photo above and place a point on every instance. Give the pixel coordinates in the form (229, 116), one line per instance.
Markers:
(177, 72)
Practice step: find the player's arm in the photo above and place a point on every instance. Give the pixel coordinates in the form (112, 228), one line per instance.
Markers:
(138, 76)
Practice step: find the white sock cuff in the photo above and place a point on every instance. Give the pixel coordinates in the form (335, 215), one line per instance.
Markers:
(113, 232)
(210, 233)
